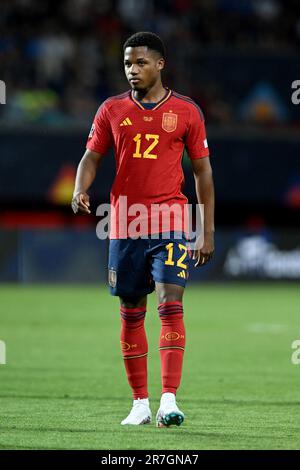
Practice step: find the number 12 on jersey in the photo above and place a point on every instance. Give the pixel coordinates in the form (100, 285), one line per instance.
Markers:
(146, 154)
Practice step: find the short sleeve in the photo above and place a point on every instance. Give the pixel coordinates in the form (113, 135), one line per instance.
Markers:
(196, 141)
(100, 139)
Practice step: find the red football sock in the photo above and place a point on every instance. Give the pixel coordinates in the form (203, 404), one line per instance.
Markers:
(171, 344)
(135, 349)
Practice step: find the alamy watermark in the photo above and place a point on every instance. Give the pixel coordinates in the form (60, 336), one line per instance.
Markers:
(2, 353)
(2, 92)
(156, 221)
(296, 94)
(295, 359)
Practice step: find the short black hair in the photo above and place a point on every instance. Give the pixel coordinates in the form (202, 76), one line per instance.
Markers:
(144, 38)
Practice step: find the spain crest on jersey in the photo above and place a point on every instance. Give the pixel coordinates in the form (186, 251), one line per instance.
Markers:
(169, 122)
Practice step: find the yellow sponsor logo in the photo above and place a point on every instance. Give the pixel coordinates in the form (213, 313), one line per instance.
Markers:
(182, 274)
(126, 122)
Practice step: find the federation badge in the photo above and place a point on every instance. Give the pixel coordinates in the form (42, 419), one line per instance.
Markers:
(125, 346)
(172, 336)
(169, 122)
(112, 278)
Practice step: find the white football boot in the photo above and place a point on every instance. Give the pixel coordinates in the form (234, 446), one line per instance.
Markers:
(168, 413)
(140, 413)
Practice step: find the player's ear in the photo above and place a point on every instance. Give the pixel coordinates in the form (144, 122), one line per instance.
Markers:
(160, 63)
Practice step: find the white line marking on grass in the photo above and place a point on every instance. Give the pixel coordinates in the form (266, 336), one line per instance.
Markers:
(270, 328)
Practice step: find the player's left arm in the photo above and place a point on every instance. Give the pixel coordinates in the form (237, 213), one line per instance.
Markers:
(198, 152)
(206, 196)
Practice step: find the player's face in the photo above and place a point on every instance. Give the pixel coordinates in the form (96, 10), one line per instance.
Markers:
(142, 67)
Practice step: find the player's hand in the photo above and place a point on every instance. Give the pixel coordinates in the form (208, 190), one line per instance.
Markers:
(81, 203)
(204, 254)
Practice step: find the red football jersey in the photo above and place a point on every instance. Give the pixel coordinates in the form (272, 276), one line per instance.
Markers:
(148, 146)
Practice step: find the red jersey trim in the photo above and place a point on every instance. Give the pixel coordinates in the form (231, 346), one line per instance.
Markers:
(122, 96)
(160, 103)
(189, 100)
(119, 97)
(200, 156)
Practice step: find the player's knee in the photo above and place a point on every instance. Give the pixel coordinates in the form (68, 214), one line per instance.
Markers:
(169, 293)
(162, 299)
(133, 302)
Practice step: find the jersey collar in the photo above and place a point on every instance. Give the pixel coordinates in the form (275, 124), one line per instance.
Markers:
(161, 102)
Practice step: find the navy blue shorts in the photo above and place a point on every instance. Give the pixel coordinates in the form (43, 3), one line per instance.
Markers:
(135, 265)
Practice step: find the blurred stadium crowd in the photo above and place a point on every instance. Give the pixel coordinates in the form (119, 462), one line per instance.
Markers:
(61, 59)
(236, 58)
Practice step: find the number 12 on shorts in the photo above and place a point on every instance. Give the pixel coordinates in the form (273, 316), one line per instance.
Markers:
(170, 261)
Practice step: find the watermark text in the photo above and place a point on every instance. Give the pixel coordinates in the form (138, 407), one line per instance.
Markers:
(2, 352)
(2, 92)
(295, 359)
(296, 93)
(154, 221)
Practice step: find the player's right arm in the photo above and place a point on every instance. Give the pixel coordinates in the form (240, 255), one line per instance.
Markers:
(86, 173)
(99, 141)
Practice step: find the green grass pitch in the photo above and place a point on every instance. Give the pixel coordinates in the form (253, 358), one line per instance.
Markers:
(64, 386)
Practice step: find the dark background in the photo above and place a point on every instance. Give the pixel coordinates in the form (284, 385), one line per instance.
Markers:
(236, 58)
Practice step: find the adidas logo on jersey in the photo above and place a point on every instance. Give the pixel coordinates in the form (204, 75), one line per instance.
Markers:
(126, 122)
(182, 274)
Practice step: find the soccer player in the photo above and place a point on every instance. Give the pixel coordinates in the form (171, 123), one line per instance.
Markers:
(148, 127)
